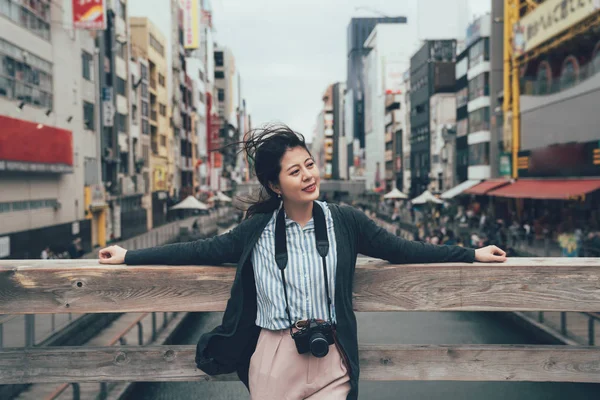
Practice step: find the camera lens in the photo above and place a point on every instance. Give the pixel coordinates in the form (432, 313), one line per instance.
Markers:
(319, 347)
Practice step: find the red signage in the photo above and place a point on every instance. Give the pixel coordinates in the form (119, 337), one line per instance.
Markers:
(89, 14)
(30, 147)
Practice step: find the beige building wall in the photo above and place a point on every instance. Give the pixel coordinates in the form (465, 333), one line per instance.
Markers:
(148, 42)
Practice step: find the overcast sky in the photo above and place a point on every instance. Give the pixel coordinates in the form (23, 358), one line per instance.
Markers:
(289, 51)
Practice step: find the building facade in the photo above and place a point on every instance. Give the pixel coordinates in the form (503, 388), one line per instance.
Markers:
(357, 33)
(432, 70)
(48, 198)
(442, 141)
(149, 43)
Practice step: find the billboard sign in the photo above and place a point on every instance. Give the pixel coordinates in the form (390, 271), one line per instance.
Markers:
(191, 24)
(89, 14)
(548, 20)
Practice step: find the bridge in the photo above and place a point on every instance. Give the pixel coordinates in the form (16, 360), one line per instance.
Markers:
(525, 285)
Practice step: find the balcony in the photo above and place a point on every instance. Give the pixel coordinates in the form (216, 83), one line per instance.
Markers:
(389, 155)
(153, 83)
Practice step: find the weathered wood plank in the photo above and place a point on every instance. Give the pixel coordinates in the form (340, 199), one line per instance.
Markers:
(521, 284)
(378, 363)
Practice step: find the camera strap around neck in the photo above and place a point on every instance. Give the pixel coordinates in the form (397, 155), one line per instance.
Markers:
(281, 255)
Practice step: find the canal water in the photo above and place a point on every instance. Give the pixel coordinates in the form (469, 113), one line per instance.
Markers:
(394, 328)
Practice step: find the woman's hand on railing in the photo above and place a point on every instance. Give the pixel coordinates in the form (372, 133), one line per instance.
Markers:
(490, 254)
(112, 255)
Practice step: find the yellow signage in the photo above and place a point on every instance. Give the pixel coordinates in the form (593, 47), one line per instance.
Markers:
(191, 24)
(159, 178)
(548, 20)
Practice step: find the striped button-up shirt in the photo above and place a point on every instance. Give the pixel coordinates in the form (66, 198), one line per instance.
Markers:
(303, 275)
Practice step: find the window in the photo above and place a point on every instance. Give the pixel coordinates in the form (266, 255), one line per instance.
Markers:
(219, 58)
(201, 75)
(144, 90)
(28, 80)
(33, 15)
(134, 114)
(121, 86)
(479, 52)
(161, 80)
(122, 122)
(162, 109)
(27, 204)
(144, 72)
(88, 116)
(86, 65)
(221, 95)
(145, 127)
(570, 72)
(145, 109)
(462, 127)
(479, 154)
(219, 74)
(121, 50)
(163, 140)
(462, 97)
(479, 86)
(201, 97)
(596, 59)
(544, 78)
(479, 120)
(155, 44)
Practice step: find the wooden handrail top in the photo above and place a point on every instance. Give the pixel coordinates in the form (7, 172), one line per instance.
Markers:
(85, 286)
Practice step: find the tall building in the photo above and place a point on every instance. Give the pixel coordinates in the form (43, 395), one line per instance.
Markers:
(149, 43)
(383, 67)
(405, 109)
(140, 129)
(442, 127)
(52, 190)
(431, 71)
(227, 87)
(358, 31)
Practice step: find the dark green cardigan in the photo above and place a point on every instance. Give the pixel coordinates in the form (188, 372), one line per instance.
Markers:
(228, 348)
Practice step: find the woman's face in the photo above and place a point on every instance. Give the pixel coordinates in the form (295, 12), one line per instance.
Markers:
(299, 177)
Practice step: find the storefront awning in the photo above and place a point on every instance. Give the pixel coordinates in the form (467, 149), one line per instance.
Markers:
(486, 186)
(458, 189)
(547, 189)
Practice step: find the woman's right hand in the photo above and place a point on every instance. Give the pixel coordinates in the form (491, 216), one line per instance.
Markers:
(112, 255)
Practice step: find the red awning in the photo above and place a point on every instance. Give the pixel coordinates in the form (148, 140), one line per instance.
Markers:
(547, 189)
(485, 187)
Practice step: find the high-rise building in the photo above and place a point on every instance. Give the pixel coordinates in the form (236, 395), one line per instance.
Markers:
(431, 71)
(383, 67)
(358, 31)
(149, 43)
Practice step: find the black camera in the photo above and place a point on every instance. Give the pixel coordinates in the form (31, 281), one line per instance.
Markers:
(314, 338)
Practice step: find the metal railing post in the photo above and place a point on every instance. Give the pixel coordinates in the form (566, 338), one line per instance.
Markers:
(165, 320)
(76, 391)
(29, 330)
(153, 326)
(563, 323)
(591, 333)
(140, 333)
(1, 335)
(103, 391)
(541, 317)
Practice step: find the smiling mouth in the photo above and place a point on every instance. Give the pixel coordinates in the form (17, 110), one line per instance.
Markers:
(310, 188)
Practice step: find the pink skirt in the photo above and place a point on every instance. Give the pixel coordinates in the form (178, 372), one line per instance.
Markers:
(278, 372)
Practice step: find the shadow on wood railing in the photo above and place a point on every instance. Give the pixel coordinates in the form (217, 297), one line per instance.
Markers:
(521, 284)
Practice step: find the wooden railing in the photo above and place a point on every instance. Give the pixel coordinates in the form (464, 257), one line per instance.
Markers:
(80, 286)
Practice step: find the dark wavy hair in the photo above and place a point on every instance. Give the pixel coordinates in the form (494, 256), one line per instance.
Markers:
(265, 147)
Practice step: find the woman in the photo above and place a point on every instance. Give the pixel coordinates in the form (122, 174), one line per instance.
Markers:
(285, 283)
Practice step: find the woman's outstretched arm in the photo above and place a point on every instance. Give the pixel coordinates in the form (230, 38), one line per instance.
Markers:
(221, 249)
(374, 241)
